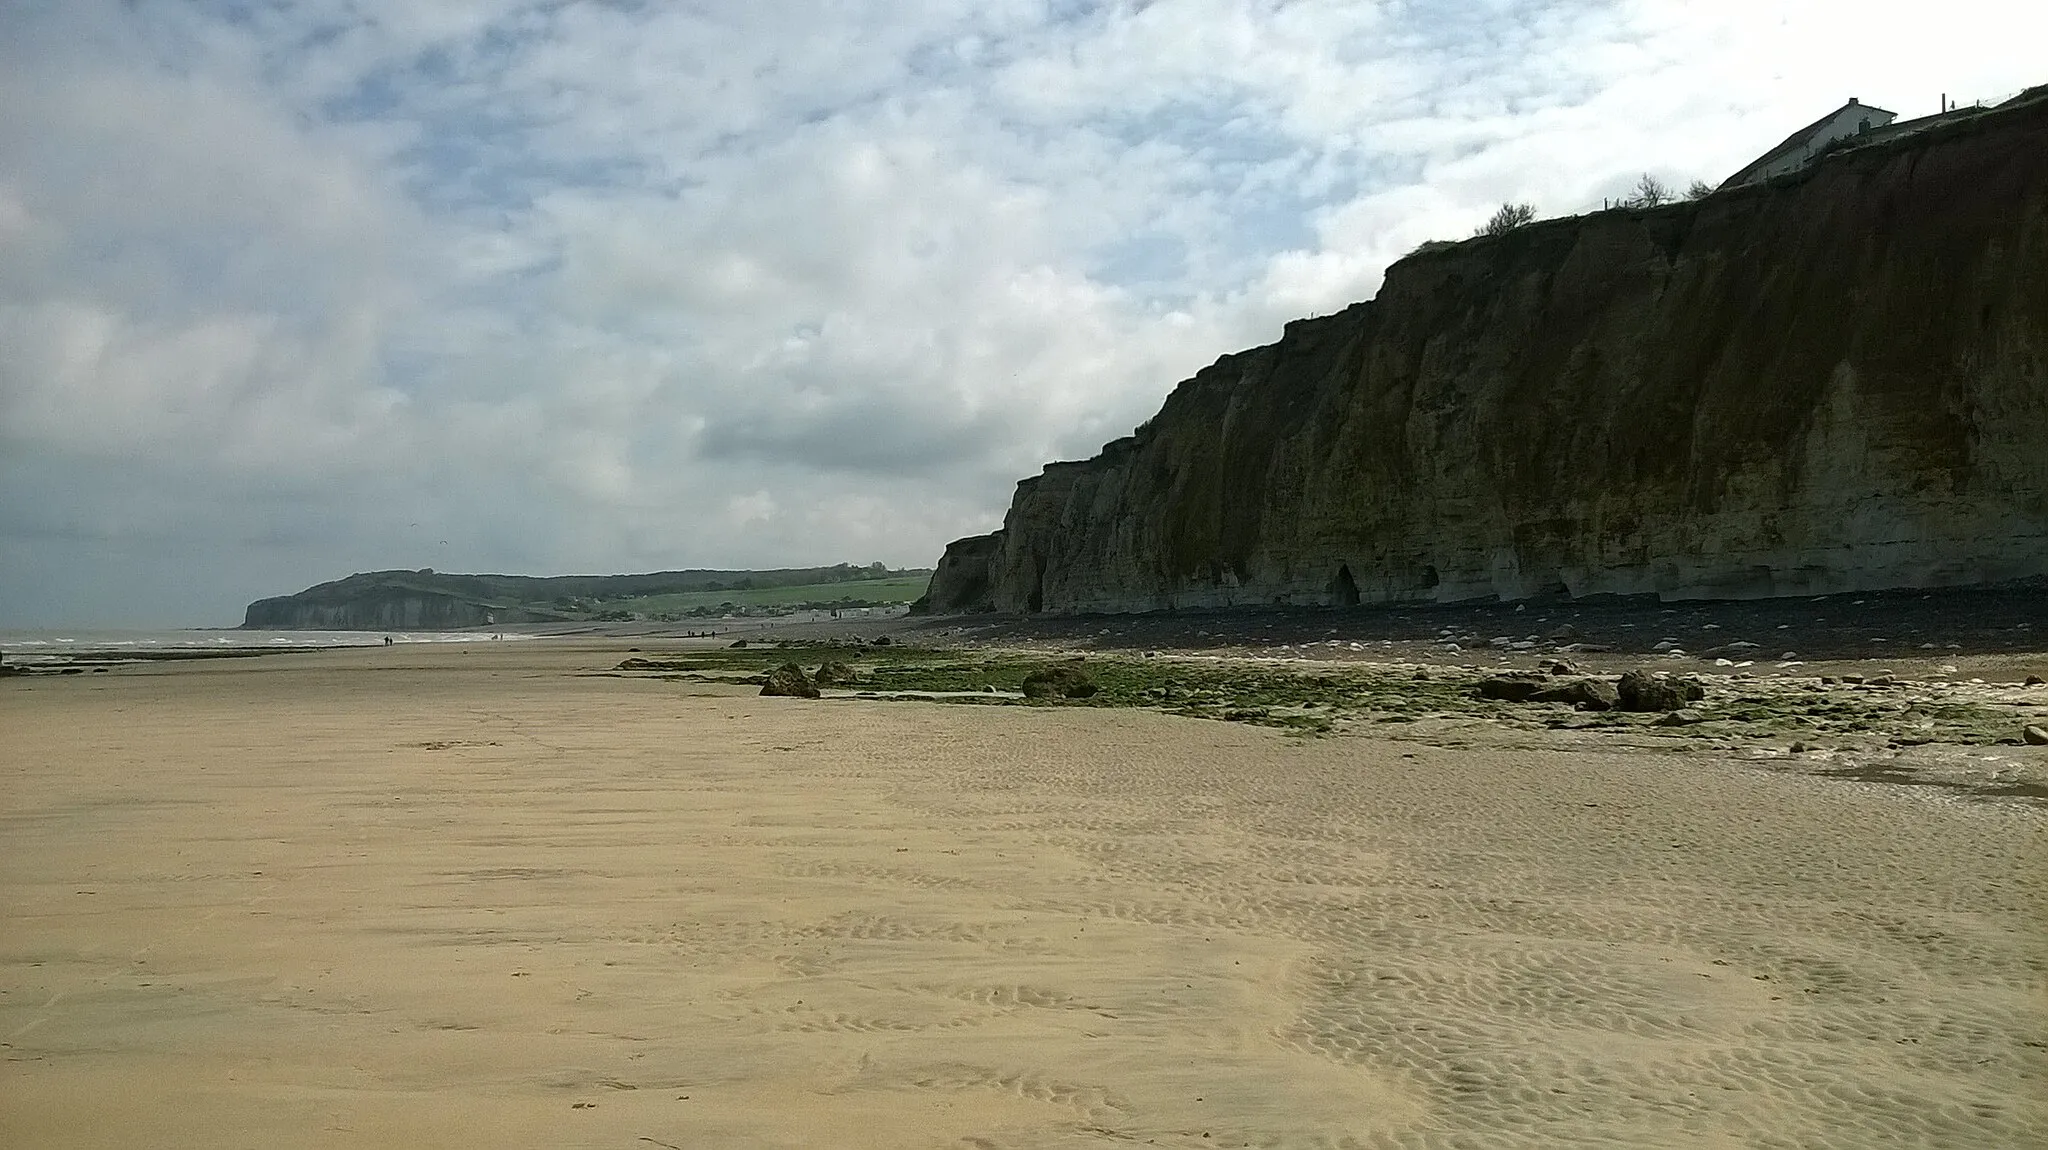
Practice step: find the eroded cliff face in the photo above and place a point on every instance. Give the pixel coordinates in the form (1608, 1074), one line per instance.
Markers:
(1833, 382)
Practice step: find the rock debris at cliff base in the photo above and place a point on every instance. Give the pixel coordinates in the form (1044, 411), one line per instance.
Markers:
(1821, 723)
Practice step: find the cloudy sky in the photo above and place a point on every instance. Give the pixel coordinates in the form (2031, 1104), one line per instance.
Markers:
(294, 288)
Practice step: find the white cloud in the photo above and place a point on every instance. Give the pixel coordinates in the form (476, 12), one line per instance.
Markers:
(308, 287)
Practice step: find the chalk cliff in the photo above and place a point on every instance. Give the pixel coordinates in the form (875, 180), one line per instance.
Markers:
(1833, 381)
(394, 601)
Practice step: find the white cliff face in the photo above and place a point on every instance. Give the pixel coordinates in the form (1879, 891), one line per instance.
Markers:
(1833, 383)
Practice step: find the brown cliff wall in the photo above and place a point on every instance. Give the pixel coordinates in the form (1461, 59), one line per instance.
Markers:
(1836, 381)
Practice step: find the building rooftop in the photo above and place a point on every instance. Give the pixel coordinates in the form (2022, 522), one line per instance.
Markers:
(1797, 140)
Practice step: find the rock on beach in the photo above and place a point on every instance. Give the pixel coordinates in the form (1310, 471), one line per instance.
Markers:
(790, 681)
(1642, 691)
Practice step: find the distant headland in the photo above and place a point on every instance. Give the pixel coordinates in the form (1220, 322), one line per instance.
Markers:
(379, 600)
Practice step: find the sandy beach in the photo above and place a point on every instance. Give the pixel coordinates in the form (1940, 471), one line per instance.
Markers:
(485, 896)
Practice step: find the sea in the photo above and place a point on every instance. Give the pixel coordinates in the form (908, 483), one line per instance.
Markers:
(58, 645)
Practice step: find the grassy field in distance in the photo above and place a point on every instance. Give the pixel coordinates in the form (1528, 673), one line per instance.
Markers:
(901, 590)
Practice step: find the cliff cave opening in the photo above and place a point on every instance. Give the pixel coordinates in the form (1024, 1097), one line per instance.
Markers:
(1343, 588)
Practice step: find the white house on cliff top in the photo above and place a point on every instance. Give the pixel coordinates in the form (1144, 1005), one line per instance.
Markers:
(1805, 145)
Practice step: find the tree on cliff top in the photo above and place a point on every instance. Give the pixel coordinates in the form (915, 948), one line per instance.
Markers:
(1507, 219)
(1650, 192)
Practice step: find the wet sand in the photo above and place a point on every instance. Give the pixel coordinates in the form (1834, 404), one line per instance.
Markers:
(476, 897)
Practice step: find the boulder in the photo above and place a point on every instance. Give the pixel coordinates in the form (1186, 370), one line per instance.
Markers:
(1642, 691)
(1586, 694)
(790, 681)
(1065, 681)
(2034, 735)
(882, 641)
(634, 665)
(2034, 681)
(834, 673)
(1681, 718)
(737, 644)
(1510, 688)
